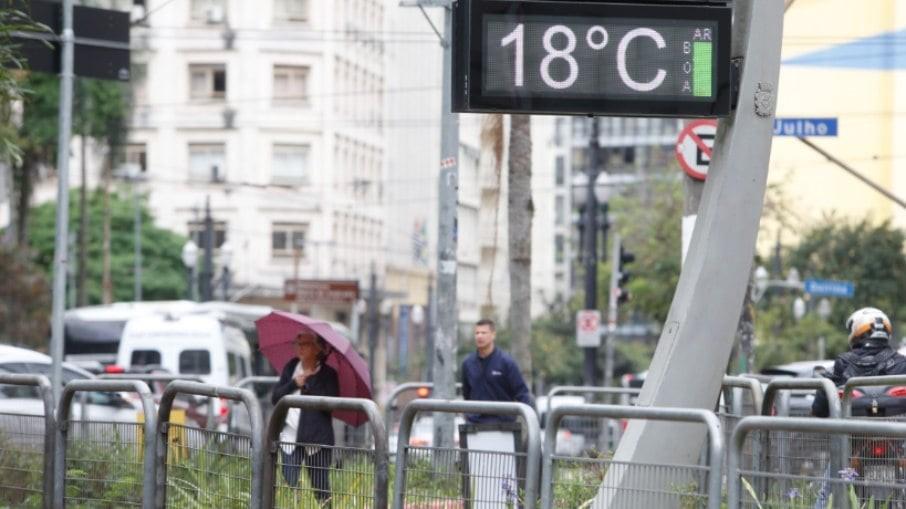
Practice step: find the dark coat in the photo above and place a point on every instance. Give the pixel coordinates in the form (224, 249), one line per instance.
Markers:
(315, 426)
(865, 359)
(496, 378)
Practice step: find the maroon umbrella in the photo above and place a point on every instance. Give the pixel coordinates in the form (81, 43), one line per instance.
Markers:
(278, 330)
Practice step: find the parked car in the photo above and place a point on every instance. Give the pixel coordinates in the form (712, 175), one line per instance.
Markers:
(573, 432)
(98, 406)
(800, 400)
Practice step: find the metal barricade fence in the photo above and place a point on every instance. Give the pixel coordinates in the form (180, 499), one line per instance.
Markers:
(469, 476)
(736, 406)
(104, 463)
(207, 468)
(596, 433)
(877, 457)
(350, 477)
(799, 452)
(809, 489)
(26, 443)
(254, 383)
(154, 379)
(574, 482)
(390, 405)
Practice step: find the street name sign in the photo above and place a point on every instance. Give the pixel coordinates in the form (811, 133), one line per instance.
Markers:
(320, 291)
(694, 146)
(601, 58)
(588, 322)
(805, 127)
(830, 288)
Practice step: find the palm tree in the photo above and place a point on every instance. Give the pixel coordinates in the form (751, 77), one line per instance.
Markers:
(520, 212)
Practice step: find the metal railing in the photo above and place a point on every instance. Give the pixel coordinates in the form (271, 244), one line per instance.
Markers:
(743, 382)
(150, 378)
(715, 441)
(224, 461)
(18, 455)
(587, 389)
(250, 381)
(356, 474)
(531, 458)
(601, 433)
(802, 451)
(390, 403)
(792, 492)
(93, 456)
(823, 384)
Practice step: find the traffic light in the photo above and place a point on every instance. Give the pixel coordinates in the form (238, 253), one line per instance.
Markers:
(623, 275)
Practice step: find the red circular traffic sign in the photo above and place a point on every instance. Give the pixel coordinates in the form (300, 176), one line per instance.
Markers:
(694, 147)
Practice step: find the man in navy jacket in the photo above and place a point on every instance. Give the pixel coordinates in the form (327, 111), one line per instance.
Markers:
(490, 374)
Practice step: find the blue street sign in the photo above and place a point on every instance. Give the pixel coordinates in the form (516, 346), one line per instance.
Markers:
(805, 127)
(830, 288)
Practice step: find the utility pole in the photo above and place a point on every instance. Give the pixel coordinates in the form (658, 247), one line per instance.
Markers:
(207, 267)
(136, 198)
(373, 321)
(430, 321)
(445, 330)
(591, 246)
(82, 271)
(612, 312)
(692, 197)
(445, 337)
(60, 261)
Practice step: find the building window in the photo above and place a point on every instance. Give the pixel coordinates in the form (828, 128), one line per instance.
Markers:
(291, 10)
(209, 12)
(196, 233)
(290, 85)
(559, 210)
(559, 170)
(136, 158)
(288, 239)
(289, 164)
(559, 248)
(207, 81)
(138, 78)
(207, 162)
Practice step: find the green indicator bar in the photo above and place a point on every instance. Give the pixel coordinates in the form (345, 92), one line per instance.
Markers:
(701, 69)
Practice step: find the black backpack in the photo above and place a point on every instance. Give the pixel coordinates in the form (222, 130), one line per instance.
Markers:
(877, 364)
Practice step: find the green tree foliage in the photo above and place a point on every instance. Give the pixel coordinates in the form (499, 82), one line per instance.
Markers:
(649, 220)
(869, 254)
(100, 110)
(11, 65)
(163, 270)
(24, 300)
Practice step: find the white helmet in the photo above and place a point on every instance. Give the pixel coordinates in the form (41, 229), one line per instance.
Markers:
(868, 323)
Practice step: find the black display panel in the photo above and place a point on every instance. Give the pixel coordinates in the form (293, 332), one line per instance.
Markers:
(592, 58)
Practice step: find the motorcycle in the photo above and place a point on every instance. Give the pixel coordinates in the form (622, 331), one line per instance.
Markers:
(880, 462)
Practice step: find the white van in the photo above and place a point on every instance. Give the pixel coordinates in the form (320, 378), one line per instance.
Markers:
(201, 345)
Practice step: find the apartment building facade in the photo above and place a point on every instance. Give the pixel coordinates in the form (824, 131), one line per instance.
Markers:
(271, 112)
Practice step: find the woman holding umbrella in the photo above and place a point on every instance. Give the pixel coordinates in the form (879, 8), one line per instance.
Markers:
(308, 374)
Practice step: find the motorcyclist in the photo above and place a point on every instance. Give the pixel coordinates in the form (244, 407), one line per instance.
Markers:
(869, 354)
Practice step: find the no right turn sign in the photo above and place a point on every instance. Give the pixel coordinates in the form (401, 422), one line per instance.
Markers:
(588, 323)
(694, 147)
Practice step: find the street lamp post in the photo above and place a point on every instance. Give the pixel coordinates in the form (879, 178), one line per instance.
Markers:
(190, 259)
(588, 193)
(224, 259)
(761, 282)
